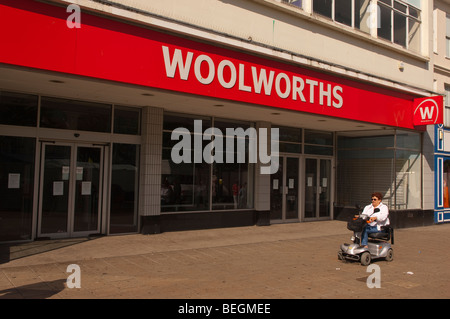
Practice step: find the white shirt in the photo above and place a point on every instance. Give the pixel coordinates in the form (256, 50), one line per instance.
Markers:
(382, 216)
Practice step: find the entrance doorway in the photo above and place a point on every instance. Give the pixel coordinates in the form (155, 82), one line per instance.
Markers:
(71, 189)
(317, 204)
(284, 199)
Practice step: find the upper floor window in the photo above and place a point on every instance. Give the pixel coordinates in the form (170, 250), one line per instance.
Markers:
(396, 21)
(295, 3)
(447, 106)
(353, 13)
(447, 37)
(399, 22)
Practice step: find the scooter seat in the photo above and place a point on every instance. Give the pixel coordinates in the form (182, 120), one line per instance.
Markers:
(381, 235)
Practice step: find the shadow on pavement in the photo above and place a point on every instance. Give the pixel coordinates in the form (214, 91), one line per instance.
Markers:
(12, 251)
(40, 290)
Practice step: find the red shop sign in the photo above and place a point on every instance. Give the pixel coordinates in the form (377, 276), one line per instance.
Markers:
(38, 37)
(429, 111)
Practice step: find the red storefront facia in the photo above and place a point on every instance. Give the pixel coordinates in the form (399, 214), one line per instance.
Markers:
(38, 37)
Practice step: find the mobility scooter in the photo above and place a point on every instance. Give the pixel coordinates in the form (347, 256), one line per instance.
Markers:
(378, 246)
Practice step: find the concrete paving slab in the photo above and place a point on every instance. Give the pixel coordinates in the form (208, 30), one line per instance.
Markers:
(289, 261)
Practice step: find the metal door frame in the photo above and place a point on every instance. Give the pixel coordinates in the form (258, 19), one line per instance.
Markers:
(72, 185)
(318, 158)
(283, 219)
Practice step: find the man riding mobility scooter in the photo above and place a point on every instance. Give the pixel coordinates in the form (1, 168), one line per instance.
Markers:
(378, 245)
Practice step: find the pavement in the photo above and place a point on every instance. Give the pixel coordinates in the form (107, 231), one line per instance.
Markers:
(281, 261)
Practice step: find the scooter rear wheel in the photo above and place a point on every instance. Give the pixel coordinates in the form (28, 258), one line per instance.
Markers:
(365, 258)
(390, 255)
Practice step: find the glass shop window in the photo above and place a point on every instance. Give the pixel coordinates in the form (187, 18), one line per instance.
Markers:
(127, 120)
(197, 185)
(17, 156)
(75, 115)
(18, 109)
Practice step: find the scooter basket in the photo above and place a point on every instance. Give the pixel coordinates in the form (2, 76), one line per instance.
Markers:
(356, 225)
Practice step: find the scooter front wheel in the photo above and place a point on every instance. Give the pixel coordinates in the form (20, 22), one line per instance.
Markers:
(390, 255)
(366, 258)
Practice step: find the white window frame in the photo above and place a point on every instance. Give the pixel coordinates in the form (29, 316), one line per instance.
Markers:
(407, 16)
(447, 106)
(447, 36)
(291, 3)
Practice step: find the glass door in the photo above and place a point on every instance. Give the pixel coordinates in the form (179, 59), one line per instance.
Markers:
(70, 190)
(317, 188)
(86, 209)
(324, 188)
(277, 192)
(292, 176)
(55, 189)
(284, 199)
(310, 188)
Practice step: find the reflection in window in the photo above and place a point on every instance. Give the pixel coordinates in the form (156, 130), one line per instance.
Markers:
(323, 7)
(124, 188)
(400, 23)
(400, 29)
(18, 109)
(397, 21)
(16, 187)
(447, 37)
(389, 164)
(319, 142)
(353, 13)
(185, 186)
(343, 12)
(232, 180)
(385, 27)
(127, 120)
(290, 140)
(295, 3)
(75, 115)
(362, 15)
(447, 106)
(408, 179)
(192, 185)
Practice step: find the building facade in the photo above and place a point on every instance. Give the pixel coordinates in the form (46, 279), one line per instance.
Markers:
(151, 116)
(441, 55)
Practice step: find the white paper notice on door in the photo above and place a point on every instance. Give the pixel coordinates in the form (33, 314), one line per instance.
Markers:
(58, 188)
(275, 184)
(86, 188)
(65, 173)
(291, 183)
(13, 180)
(79, 173)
